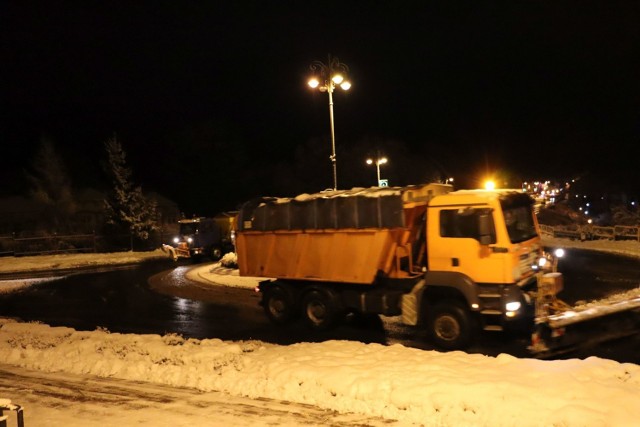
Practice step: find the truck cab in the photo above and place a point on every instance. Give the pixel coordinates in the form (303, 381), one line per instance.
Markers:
(482, 249)
(200, 237)
(490, 236)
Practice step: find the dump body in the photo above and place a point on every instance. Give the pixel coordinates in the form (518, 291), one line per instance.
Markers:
(350, 236)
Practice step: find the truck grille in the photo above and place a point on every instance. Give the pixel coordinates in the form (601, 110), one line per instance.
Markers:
(526, 262)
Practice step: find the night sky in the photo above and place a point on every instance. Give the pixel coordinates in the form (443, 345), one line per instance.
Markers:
(210, 102)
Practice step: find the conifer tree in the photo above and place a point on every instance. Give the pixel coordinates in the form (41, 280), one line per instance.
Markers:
(51, 186)
(126, 207)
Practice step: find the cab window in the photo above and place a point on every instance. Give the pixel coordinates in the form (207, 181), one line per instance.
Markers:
(464, 223)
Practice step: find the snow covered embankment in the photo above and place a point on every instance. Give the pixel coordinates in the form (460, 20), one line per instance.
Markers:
(395, 382)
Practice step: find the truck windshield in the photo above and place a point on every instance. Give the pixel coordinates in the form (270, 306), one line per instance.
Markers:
(519, 222)
(188, 229)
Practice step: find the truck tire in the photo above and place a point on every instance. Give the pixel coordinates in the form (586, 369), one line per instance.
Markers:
(215, 253)
(450, 326)
(279, 305)
(320, 309)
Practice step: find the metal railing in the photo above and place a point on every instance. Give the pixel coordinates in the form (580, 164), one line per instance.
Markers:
(6, 405)
(592, 232)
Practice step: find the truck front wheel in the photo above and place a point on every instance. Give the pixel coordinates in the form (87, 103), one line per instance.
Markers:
(216, 253)
(279, 305)
(450, 326)
(320, 309)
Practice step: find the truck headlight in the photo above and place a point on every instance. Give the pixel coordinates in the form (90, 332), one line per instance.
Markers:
(542, 261)
(513, 306)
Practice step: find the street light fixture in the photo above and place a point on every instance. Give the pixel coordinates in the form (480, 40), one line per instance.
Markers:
(379, 161)
(326, 77)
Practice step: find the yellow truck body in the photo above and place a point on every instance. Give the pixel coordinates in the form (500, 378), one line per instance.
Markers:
(363, 234)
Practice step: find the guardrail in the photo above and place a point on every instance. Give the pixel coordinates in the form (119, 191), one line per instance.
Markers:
(14, 245)
(592, 232)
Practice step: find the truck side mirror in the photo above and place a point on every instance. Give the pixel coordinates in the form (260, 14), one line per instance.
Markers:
(485, 227)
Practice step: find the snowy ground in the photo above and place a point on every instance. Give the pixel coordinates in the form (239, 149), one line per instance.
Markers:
(409, 386)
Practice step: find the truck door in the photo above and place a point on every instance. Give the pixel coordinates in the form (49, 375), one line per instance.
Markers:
(461, 240)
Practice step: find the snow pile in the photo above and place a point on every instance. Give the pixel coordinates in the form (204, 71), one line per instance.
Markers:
(55, 262)
(630, 295)
(218, 274)
(229, 260)
(394, 382)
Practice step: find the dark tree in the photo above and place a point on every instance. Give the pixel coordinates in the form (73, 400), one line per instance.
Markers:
(51, 187)
(126, 207)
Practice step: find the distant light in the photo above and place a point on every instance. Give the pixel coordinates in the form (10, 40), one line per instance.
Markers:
(382, 161)
(369, 161)
(489, 185)
(337, 78)
(346, 85)
(313, 82)
(589, 221)
(559, 252)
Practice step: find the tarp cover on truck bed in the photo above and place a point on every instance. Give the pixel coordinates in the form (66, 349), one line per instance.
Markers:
(356, 208)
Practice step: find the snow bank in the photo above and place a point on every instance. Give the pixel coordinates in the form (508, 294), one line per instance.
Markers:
(414, 386)
(55, 262)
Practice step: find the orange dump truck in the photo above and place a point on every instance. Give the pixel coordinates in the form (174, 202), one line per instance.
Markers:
(454, 262)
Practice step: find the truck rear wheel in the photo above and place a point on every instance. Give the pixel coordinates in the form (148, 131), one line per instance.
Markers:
(450, 326)
(320, 309)
(279, 305)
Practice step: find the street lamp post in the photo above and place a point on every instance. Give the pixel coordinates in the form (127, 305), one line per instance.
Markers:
(325, 78)
(379, 161)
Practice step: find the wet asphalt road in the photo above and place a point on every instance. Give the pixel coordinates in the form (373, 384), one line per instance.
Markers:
(157, 298)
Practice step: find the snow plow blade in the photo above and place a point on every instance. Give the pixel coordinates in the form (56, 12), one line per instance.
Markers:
(571, 317)
(551, 336)
(175, 253)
